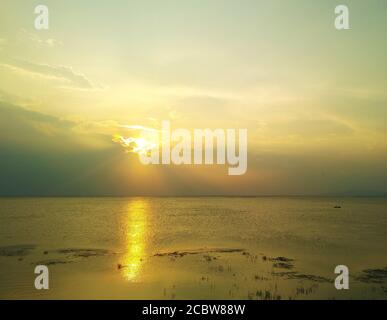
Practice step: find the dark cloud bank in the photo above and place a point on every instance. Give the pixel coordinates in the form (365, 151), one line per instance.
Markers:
(41, 155)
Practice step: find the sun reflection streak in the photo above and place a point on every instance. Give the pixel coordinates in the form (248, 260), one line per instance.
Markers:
(136, 221)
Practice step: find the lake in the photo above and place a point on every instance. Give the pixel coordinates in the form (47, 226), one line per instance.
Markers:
(193, 248)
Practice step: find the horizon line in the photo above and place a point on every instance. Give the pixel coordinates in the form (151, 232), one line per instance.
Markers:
(198, 196)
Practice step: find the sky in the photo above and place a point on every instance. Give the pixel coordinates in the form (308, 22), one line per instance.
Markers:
(313, 98)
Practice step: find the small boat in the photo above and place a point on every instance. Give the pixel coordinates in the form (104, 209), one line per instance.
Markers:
(337, 207)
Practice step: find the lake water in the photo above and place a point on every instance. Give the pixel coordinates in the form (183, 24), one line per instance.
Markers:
(193, 248)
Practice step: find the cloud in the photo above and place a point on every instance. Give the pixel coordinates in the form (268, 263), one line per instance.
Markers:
(32, 130)
(42, 155)
(46, 155)
(316, 127)
(306, 130)
(64, 73)
(139, 127)
(50, 42)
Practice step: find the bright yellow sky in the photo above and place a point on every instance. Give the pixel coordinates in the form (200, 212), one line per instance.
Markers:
(312, 98)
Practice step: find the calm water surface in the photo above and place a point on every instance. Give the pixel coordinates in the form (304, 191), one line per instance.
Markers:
(182, 248)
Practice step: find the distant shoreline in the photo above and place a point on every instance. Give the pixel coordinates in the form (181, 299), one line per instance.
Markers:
(193, 196)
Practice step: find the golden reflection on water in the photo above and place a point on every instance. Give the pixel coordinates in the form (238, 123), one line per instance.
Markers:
(135, 224)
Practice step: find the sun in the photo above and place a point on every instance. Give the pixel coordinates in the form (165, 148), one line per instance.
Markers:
(142, 144)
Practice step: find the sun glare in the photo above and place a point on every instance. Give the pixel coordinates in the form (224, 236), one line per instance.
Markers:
(140, 145)
(136, 229)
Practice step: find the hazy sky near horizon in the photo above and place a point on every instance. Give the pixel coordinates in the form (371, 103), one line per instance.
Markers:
(314, 99)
